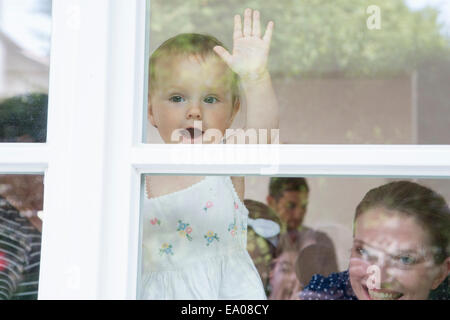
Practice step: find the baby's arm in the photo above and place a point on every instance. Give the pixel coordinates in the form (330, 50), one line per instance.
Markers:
(249, 61)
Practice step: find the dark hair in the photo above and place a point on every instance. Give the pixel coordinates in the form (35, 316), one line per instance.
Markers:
(314, 259)
(259, 210)
(189, 44)
(24, 115)
(425, 205)
(278, 186)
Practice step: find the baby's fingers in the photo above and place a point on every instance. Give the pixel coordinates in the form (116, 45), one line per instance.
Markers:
(224, 54)
(269, 31)
(237, 27)
(256, 24)
(247, 22)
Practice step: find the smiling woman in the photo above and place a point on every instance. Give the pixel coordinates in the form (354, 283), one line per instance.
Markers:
(400, 249)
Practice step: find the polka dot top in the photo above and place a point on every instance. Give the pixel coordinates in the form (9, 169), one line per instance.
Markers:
(334, 287)
(337, 287)
(442, 292)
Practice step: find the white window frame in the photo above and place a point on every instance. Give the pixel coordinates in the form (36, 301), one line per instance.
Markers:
(94, 157)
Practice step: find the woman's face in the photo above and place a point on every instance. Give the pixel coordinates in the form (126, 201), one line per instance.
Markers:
(391, 258)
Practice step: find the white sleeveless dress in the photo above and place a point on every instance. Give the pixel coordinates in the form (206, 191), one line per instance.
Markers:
(194, 245)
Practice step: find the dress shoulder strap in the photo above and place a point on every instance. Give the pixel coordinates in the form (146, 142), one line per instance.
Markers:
(240, 205)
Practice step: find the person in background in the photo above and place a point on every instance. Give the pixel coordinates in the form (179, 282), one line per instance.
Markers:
(22, 119)
(292, 268)
(401, 249)
(310, 261)
(288, 197)
(261, 238)
(282, 279)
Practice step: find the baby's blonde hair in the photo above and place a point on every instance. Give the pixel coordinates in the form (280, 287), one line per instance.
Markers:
(189, 45)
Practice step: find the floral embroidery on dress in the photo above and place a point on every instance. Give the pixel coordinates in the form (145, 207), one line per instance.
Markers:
(184, 230)
(210, 237)
(208, 205)
(155, 221)
(243, 227)
(166, 249)
(232, 228)
(236, 205)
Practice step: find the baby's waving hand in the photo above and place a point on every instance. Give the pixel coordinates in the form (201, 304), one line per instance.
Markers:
(250, 50)
(249, 61)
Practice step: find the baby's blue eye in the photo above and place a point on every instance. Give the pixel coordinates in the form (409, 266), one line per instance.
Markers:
(210, 100)
(407, 260)
(176, 99)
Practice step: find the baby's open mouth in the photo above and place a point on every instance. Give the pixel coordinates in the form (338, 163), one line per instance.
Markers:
(383, 294)
(192, 133)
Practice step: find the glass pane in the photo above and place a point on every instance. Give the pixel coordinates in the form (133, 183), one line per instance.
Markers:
(301, 236)
(25, 27)
(344, 72)
(21, 203)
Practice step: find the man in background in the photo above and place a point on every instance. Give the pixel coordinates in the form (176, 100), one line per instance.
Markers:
(288, 197)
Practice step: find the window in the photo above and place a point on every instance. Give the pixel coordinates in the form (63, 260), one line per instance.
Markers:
(337, 84)
(21, 198)
(24, 69)
(344, 72)
(290, 235)
(94, 156)
(24, 77)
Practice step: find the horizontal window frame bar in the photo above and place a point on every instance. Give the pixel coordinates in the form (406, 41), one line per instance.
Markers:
(23, 158)
(295, 160)
(422, 161)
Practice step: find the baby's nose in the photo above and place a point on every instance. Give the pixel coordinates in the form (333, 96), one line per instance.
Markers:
(194, 112)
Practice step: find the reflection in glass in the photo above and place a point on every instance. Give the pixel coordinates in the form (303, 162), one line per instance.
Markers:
(21, 200)
(401, 237)
(300, 233)
(24, 67)
(342, 73)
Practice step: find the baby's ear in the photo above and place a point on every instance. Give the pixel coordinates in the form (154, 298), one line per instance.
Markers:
(236, 107)
(150, 114)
